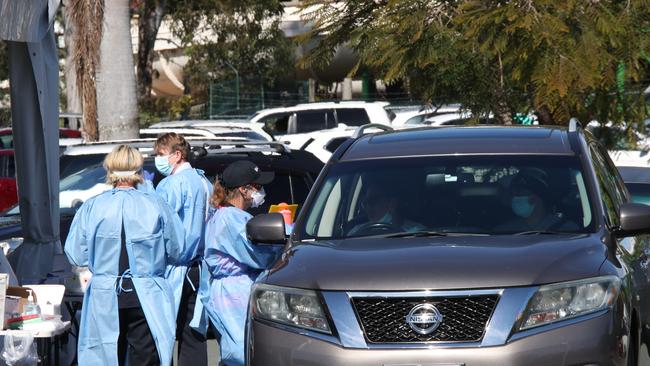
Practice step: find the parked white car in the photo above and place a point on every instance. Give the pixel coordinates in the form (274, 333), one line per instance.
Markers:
(310, 117)
(322, 144)
(221, 128)
(419, 114)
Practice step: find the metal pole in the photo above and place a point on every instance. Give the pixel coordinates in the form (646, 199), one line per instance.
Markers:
(261, 84)
(236, 81)
(210, 85)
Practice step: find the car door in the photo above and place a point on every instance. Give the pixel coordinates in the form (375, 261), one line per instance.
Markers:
(632, 251)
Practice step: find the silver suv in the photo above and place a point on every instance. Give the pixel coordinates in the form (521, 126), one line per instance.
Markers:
(458, 246)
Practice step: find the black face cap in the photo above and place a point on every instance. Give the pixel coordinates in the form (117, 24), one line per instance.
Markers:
(243, 172)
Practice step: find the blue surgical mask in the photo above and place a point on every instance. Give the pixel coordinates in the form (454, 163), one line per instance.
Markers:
(522, 207)
(163, 165)
(258, 197)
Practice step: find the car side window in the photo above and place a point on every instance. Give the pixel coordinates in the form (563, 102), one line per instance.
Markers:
(277, 123)
(334, 143)
(7, 141)
(314, 120)
(619, 185)
(4, 168)
(352, 116)
(606, 185)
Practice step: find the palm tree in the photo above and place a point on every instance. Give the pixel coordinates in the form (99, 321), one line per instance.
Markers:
(105, 71)
(117, 103)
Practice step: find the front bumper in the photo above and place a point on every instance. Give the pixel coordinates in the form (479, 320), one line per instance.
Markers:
(588, 342)
(595, 339)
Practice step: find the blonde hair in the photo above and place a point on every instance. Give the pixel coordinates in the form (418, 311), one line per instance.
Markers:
(221, 194)
(123, 158)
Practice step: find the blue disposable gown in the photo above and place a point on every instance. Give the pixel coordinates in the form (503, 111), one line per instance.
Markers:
(187, 193)
(234, 264)
(154, 239)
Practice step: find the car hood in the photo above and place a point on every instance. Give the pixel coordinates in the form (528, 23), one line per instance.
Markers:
(440, 263)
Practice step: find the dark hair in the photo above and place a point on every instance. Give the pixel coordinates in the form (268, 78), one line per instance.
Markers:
(174, 142)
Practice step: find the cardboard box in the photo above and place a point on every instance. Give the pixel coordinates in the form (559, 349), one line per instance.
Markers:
(15, 301)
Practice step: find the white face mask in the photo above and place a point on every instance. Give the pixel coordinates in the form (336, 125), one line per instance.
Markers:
(258, 197)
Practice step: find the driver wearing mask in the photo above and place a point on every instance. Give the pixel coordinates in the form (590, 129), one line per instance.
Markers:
(381, 209)
(531, 206)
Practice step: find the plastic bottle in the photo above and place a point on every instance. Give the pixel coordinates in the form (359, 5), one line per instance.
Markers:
(31, 308)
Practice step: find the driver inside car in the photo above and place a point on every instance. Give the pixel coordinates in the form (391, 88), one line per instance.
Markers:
(381, 207)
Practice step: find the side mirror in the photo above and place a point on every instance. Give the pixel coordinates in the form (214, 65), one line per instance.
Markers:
(634, 219)
(266, 229)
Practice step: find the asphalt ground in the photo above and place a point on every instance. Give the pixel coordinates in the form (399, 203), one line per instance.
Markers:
(213, 353)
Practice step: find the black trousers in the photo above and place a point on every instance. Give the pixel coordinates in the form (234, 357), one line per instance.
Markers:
(136, 344)
(192, 347)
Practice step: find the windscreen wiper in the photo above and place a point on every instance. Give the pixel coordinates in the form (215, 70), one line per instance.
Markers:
(422, 234)
(416, 234)
(538, 232)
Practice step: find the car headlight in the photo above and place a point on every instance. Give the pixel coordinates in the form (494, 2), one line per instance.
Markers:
(561, 301)
(290, 306)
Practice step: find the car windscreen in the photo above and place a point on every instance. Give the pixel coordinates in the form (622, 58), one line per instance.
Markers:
(450, 194)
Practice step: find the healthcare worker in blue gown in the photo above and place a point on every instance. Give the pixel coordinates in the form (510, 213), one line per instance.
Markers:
(187, 191)
(127, 238)
(234, 262)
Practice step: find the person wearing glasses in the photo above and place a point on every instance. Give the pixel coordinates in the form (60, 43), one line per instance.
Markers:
(233, 261)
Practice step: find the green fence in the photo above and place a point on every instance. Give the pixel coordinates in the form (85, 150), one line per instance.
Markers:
(242, 97)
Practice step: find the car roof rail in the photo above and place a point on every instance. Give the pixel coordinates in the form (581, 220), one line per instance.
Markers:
(574, 124)
(360, 130)
(244, 147)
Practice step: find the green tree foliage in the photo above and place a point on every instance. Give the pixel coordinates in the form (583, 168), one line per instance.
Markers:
(558, 58)
(4, 62)
(222, 35)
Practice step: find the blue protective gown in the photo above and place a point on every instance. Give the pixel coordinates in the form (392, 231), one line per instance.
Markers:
(154, 239)
(187, 191)
(234, 264)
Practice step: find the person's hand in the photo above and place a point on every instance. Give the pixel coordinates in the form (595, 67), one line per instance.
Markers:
(148, 175)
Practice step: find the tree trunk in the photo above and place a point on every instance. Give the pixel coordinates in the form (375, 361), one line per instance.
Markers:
(501, 110)
(149, 22)
(73, 100)
(117, 108)
(85, 55)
